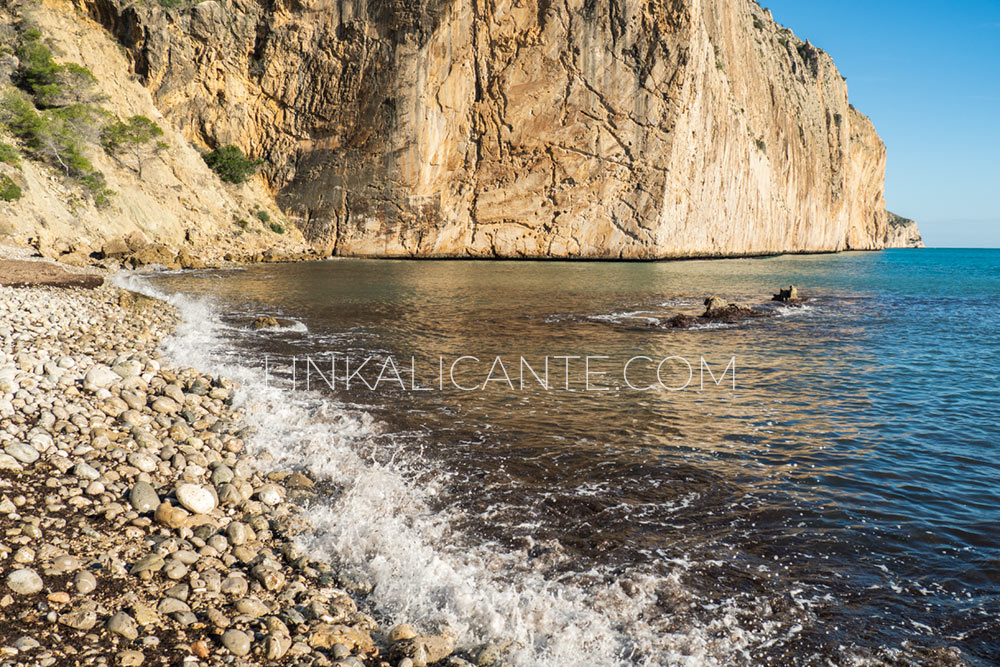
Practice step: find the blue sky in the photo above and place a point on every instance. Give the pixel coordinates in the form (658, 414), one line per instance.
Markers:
(928, 75)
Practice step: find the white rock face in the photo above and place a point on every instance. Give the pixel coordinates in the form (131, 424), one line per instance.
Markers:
(195, 498)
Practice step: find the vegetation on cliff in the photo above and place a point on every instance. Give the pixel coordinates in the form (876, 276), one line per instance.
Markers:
(51, 110)
(231, 164)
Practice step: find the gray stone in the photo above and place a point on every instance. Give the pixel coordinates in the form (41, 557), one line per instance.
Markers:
(84, 470)
(22, 452)
(124, 625)
(8, 462)
(100, 377)
(252, 607)
(143, 462)
(143, 497)
(84, 582)
(234, 585)
(237, 533)
(172, 606)
(237, 641)
(83, 619)
(196, 498)
(24, 582)
(130, 658)
(66, 563)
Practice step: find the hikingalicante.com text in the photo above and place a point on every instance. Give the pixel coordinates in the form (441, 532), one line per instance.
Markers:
(562, 372)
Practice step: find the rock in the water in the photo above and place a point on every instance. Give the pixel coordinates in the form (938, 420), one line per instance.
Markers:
(196, 498)
(237, 641)
(24, 582)
(787, 295)
(401, 632)
(424, 649)
(143, 497)
(265, 322)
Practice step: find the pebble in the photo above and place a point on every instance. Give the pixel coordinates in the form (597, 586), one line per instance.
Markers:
(130, 658)
(89, 512)
(165, 405)
(200, 649)
(26, 644)
(83, 619)
(84, 470)
(195, 498)
(124, 625)
(84, 582)
(269, 495)
(24, 582)
(22, 452)
(251, 607)
(143, 462)
(66, 563)
(237, 641)
(234, 586)
(100, 377)
(143, 497)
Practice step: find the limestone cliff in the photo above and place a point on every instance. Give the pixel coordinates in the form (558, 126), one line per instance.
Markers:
(587, 128)
(902, 232)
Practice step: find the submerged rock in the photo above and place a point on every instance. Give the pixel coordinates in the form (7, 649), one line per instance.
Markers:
(717, 311)
(265, 322)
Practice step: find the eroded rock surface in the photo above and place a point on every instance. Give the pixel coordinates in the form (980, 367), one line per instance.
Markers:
(593, 128)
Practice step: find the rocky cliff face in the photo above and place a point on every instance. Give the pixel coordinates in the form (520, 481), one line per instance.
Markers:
(178, 203)
(902, 232)
(585, 128)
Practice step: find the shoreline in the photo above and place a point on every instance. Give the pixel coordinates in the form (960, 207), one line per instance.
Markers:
(138, 529)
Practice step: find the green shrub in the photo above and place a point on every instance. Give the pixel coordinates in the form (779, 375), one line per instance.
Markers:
(9, 154)
(9, 190)
(277, 228)
(263, 216)
(241, 223)
(761, 146)
(757, 23)
(18, 115)
(48, 82)
(231, 164)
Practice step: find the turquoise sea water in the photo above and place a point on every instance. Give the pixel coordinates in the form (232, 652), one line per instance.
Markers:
(840, 506)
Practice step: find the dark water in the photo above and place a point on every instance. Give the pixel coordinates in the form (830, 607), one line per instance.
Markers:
(840, 506)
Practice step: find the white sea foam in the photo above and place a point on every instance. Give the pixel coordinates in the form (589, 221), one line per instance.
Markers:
(381, 525)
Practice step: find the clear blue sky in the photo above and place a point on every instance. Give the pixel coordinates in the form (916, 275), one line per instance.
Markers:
(928, 75)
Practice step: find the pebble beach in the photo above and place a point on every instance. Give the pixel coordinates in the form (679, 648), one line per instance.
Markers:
(138, 527)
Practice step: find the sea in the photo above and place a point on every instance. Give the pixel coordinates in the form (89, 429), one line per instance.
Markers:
(818, 486)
